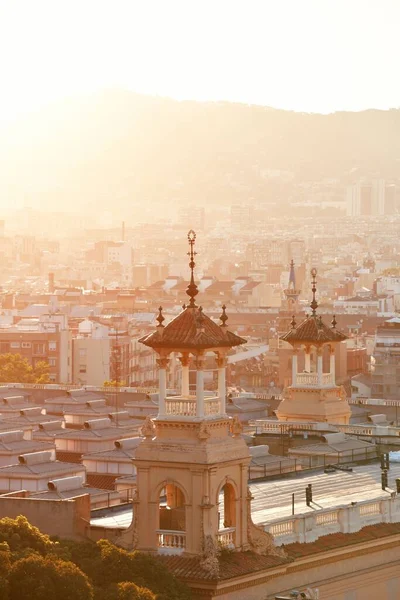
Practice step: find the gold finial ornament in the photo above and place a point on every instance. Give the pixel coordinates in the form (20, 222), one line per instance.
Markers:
(192, 290)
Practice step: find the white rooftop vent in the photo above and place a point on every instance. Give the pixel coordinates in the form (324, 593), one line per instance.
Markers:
(36, 458)
(97, 424)
(51, 425)
(11, 436)
(128, 443)
(65, 484)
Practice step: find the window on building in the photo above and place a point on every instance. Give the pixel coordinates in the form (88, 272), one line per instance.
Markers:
(15, 344)
(26, 345)
(4, 347)
(52, 362)
(39, 348)
(82, 352)
(82, 368)
(52, 346)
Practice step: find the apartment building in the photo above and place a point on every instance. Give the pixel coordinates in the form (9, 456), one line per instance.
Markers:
(386, 368)
(46, 338)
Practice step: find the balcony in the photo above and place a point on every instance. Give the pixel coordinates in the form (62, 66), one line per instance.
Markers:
(226, 537)
(185, 406)
(311, 379)
(171, 542)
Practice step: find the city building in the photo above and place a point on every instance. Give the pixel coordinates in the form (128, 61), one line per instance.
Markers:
(386, 360)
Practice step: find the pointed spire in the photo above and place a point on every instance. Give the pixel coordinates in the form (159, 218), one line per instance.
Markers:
(160, 317)
(192, 290)
(183, 306)
(314, 303)
(334, 322)
(224, 317)
(293, 322)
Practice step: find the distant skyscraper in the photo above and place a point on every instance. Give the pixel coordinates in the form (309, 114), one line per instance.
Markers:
(367, 198)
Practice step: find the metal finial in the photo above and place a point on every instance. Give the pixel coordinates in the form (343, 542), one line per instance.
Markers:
(293, 322)
(183, 306)
(224, 317)
(160, 317)
(200, 317)
(334, 322)
(192, 290)
(314, 303)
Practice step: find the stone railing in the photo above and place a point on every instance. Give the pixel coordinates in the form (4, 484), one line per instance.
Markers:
(226, 537)
(211, 406)
(171, 542)
(309, 527)
(180, 406)
(311, 379)
(66, 387)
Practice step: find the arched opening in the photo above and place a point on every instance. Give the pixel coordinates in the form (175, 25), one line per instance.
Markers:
(172, 508)
(172, 520)
(227, 516)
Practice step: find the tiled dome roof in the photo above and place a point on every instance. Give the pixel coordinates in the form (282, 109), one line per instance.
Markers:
(314, 331)
(192, 330)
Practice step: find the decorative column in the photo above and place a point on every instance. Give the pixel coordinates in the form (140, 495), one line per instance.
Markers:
(162, 383)
(294, 366)
(307, 359)
(319, 366)
(332, 364)
(221, 364)
(199, 385)
(185, 375)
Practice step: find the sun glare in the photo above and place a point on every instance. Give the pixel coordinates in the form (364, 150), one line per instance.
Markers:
(308, 55)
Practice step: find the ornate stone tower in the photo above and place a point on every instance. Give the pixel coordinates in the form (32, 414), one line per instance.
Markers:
(192, 466)
(314, 395)
(292, 293)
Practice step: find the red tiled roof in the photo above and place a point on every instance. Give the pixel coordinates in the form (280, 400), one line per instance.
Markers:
(338, 540)
(231, 565)
(313, 330)
(192, 329)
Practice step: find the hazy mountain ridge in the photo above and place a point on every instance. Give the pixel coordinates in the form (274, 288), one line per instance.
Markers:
(124, 148)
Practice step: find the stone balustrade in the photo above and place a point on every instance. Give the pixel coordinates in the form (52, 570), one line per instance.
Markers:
(171, 542)
(311, 379)
(226, 537)
(309, 527)
(185, 406)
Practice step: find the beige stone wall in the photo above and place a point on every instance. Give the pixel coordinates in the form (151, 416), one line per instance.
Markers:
(64, 518)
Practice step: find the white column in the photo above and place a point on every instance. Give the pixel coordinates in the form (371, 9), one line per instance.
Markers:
(221, 364)
(200, 386)
(319, 366)
(294, 367)
(162, 383)
(185, 375)
(307, 359)
(332, 365)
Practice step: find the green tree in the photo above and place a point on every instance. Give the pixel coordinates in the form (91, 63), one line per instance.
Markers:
(14, 368)
(130, 591)
(39, 578)
(20, 535)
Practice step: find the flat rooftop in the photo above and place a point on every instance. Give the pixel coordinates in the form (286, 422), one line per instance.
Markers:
(273, 499)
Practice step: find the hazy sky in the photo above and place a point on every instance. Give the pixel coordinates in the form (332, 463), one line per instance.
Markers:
(306, 55)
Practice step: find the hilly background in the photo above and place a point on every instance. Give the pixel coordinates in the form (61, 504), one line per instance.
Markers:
(119, 149)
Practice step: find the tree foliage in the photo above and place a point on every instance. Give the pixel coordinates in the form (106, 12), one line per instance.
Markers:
(39, 578)
(36, 567)
(14, 368)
